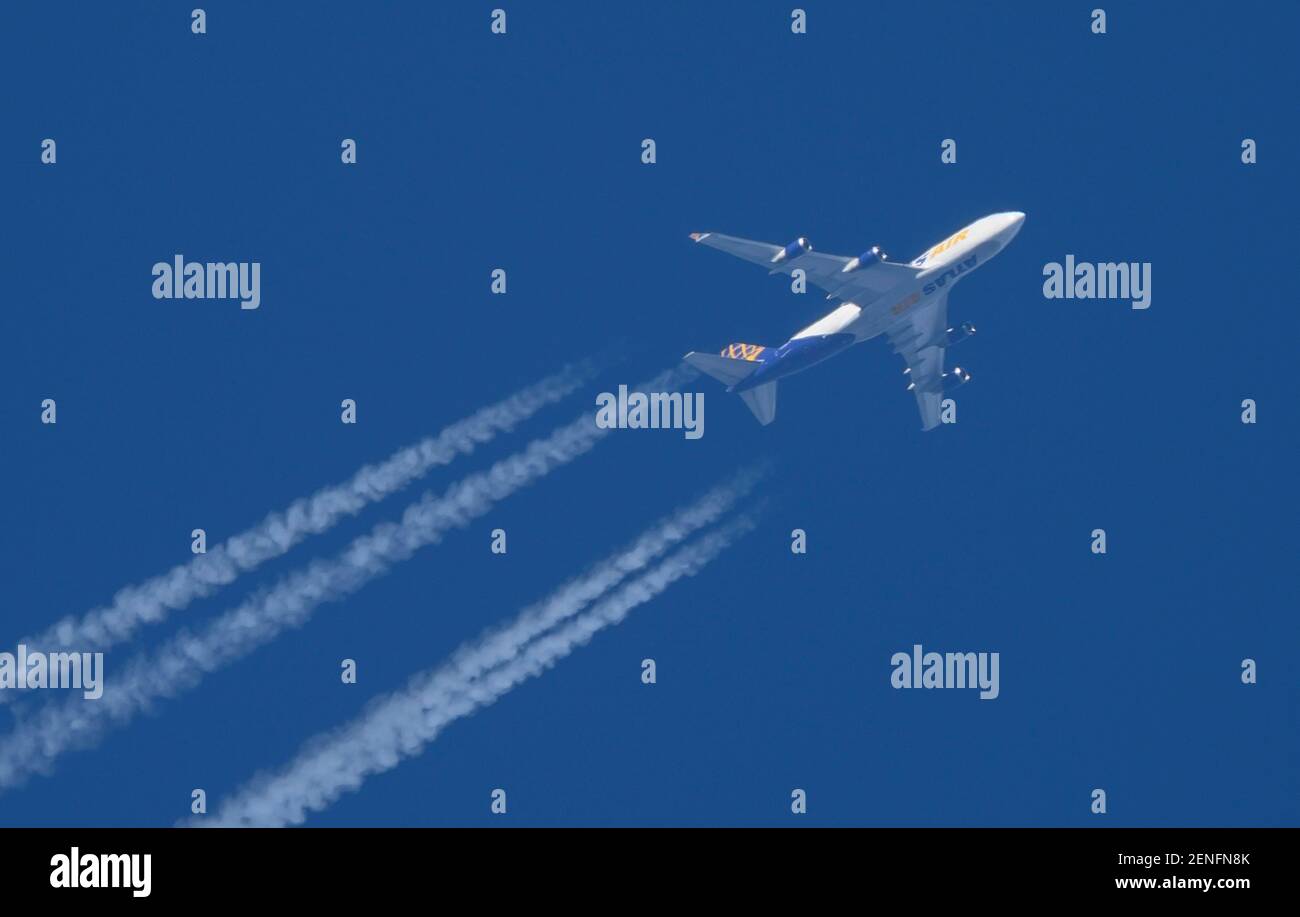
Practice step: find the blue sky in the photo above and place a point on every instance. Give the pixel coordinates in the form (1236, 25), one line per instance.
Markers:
(523, 151)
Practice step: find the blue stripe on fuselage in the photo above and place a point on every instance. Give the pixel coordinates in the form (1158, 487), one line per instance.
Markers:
(795, 355)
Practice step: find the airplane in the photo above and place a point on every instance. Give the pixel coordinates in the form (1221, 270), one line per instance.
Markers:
(908, 303)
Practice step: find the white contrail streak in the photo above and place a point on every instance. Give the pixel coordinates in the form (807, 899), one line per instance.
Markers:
(152, 600)
(500, 645)
(400, 725)
(181, 662)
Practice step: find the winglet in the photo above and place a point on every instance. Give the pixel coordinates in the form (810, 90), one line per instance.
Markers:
(699, 236)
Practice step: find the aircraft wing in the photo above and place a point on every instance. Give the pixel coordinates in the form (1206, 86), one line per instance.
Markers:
(920, 337)
(862, 286)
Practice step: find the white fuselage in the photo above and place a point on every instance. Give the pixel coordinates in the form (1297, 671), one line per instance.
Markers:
(941, 266)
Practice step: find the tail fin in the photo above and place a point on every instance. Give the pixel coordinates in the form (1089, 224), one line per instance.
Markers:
(732, 370)
(762, 401)
(727, 370)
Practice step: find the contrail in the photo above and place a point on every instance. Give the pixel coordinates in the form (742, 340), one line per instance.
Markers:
(500, 645)
(400, 725)
(181, 662)
(152, 600)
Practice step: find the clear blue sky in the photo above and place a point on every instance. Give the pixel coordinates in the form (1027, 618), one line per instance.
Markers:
(523, 152)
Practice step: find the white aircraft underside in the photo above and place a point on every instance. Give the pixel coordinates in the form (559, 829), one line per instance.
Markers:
(906, 302)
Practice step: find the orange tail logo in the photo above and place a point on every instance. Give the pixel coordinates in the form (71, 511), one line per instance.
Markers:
(748, 352)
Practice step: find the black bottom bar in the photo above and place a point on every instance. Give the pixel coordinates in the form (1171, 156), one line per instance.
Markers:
(333, 866)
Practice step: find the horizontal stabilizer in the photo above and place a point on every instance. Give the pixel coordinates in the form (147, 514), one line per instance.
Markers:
(762, 401)
(726, 370)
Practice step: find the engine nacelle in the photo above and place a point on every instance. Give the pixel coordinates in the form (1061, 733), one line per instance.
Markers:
(799, 246)
(957, 335)
(955, 379)
(871, 256)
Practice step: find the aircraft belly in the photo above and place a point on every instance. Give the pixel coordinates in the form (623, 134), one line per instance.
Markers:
(801, 353)
(795, 356)
(837, 322)
(877, 318)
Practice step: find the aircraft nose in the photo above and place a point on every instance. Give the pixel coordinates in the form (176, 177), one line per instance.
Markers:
(1014, 219)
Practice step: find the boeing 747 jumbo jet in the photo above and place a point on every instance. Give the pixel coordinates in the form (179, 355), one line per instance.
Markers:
(908, 303)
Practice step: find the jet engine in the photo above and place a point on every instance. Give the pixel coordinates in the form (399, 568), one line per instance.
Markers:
(957, 335)
(955, 379)
(871, 256)
(799, 246)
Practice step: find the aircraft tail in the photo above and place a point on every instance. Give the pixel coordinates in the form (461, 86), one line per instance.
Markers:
(725, 370)
(761, 400)
(735, 364)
